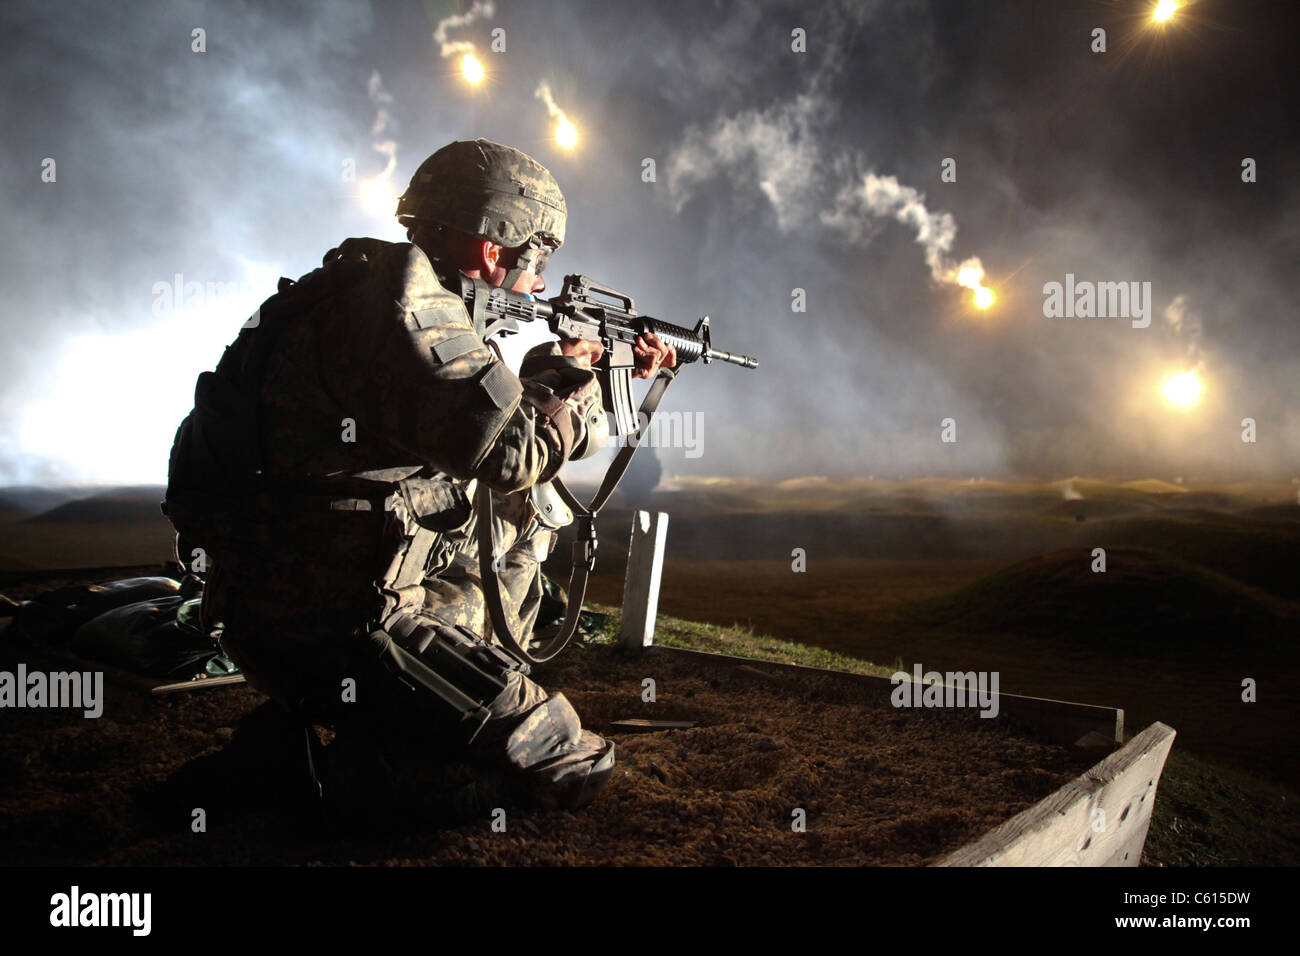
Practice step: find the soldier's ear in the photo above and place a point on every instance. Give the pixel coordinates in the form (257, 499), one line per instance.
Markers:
(490, 254)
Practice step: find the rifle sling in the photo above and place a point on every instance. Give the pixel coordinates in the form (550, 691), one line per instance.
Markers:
(584, 550)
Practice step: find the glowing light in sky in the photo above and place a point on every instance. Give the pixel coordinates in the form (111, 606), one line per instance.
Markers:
(471, 68)
(378, 196)
(1164, 10)
(110, 402)
(565, 134)
(970, 276)
(1183, 389)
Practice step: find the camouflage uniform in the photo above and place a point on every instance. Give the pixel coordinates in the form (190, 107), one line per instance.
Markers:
(328, 470)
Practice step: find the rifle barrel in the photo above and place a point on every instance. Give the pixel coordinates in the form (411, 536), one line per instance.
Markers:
(744, 361)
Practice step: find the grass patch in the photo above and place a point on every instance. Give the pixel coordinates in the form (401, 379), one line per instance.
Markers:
(1207, 814)
(738, 641)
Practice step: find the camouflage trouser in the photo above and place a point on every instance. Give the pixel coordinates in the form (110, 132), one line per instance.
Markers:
(537, 735)
(535, 738)
(454, 595)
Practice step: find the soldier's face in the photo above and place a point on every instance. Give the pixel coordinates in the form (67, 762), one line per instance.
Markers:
(483, 259)
(534, 261)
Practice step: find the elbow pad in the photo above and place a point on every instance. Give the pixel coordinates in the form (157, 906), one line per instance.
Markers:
(595, 429)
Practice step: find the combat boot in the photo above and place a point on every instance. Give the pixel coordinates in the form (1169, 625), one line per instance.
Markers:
(560, 765)
(263, 767)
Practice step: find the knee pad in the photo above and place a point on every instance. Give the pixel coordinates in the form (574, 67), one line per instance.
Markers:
(441, 672)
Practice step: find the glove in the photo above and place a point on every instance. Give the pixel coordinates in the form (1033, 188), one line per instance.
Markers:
(548, 374)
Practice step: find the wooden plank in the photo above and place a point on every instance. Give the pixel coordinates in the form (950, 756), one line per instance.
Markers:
(645, 565)
(1100, 818)
(199, 683)
(1058, 721)
(638, 725)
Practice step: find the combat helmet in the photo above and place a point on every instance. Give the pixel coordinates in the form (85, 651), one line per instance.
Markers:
(486, 189)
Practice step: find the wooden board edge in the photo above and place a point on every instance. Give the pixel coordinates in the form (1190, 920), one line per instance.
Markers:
(1100, 818)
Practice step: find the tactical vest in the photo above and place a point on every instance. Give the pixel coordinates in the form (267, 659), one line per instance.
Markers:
(252, 506)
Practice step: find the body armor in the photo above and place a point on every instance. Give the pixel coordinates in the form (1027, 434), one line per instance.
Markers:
(327, 474)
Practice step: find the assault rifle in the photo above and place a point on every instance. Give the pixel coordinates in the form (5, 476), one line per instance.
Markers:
(585, 309)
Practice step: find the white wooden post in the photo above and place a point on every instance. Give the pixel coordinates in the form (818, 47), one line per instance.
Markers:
(645, 564)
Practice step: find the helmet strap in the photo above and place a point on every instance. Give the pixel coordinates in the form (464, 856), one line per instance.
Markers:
(532, 258)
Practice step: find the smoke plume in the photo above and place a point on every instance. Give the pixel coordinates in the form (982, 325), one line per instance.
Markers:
(478, 10)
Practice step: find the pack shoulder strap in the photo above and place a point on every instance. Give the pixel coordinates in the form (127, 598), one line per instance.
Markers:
(584, 549)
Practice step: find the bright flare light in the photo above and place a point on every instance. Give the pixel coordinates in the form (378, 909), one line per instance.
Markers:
(471, 68)
(1164, 10)
(983, 297)
(379, 197)
(1183, 389)
(565, 134)
(109, 403)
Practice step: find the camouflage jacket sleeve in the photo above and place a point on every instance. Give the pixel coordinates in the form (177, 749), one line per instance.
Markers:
(437, 392)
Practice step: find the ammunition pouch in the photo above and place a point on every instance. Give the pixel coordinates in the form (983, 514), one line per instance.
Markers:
(425, 514)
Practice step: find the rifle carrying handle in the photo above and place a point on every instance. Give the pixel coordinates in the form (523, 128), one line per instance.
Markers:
(580, 287)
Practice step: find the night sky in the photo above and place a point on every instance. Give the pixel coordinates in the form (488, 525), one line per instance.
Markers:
(228, 168)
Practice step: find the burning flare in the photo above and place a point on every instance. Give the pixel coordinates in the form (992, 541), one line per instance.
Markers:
(1164, 10)
(971, 276)
(471, 68)
(935, 231)
(565, 132)
(378, 196)
(1183, 389)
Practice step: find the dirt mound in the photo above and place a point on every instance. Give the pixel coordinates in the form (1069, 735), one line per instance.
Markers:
(1094, 508)
(1286, 511)
(1154, 486)
(1257, 553)
(22, 500)
(121, 505)
(1145, 602)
